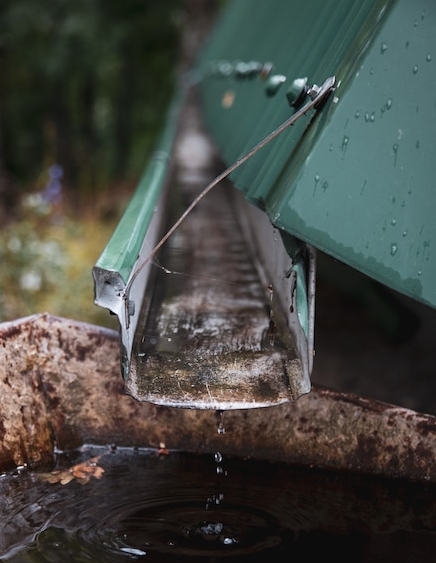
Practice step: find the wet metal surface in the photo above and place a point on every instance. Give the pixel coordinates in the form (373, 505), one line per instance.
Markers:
(358, 181)
(60, 385)
(209, 338)
(210, 335)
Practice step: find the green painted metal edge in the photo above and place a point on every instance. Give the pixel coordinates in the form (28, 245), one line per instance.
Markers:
(122, 250)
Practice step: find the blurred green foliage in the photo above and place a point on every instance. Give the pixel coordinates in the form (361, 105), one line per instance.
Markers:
(84, 84)
(47, 258)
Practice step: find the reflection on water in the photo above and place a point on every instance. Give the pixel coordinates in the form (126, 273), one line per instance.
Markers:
(183, 507)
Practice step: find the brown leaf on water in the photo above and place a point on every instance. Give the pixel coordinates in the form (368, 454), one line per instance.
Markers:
(162, 449)
(81, 472)
(66, 477)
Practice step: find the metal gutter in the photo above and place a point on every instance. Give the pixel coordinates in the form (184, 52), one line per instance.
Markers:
(140, 225)
(125, 286)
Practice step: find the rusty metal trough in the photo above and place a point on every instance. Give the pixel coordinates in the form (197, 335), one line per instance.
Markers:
(60, 388)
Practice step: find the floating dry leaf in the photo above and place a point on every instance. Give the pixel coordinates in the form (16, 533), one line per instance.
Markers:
(82, 472)
(162, 449)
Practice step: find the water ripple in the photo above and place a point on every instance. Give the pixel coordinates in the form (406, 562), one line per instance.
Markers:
(178, 508)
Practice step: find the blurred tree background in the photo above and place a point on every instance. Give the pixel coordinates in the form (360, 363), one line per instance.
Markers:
(85, 85)
(84, 88)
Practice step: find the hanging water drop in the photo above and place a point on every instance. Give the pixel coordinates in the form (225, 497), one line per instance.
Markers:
(221, 429)
(383, 48)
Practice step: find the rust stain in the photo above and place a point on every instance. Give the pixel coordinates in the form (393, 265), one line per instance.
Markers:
(69, 401)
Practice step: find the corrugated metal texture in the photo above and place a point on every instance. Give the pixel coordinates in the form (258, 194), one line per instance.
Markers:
(300, 40)
(355, 180)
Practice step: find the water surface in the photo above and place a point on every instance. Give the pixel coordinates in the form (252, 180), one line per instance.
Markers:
(172, 506)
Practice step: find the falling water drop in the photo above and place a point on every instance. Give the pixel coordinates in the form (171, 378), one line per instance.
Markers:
(415, 69)
(393, 222)
(218, 456)
(394, 249)
(229, 541)
(428, 58)
(389, 103)
(383, 48)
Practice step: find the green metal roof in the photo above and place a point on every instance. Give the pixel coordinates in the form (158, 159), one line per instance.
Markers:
(355, 179)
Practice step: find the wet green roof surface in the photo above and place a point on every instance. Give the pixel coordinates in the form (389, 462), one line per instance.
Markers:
(355, 178)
